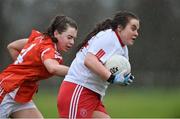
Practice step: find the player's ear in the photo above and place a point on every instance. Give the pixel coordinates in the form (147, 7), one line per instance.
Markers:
(119, 28)
(56, 33)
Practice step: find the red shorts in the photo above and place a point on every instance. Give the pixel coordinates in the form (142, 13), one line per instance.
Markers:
(76, 101)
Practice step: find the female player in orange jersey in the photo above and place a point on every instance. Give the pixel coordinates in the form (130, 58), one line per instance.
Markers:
(37, 57)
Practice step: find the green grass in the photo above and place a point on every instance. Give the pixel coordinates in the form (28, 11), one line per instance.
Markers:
(143, 103)
(121, 102)
(46, 101)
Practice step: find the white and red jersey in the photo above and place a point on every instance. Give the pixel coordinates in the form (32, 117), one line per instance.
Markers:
(103, 46)
(25, 72)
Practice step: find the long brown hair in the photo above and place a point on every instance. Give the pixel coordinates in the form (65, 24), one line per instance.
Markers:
(59, 23)
(120, 18)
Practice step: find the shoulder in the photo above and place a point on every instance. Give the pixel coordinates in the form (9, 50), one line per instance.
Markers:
(47, 40)
(108, 36)
(34, 34)
(104, 33)
(46, 43)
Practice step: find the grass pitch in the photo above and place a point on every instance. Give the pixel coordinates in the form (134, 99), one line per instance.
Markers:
(124, 103)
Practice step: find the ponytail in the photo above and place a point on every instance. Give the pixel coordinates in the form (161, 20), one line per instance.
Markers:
(107, 24)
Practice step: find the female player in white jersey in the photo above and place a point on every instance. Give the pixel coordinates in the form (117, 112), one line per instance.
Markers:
(85, 84)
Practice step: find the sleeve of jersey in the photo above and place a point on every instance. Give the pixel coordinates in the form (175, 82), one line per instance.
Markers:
(48, 52)
(102, 48)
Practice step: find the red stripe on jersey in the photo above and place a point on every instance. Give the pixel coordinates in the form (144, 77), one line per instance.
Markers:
(119, 38)
(100, 53)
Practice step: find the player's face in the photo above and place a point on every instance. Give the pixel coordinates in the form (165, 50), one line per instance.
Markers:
(130, 32)
(66, 39)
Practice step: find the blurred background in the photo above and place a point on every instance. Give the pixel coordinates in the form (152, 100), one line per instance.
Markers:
(154, 57)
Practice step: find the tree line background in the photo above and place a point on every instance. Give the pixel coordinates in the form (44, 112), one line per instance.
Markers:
(154, 57)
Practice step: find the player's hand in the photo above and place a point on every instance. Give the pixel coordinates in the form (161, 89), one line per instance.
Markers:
(128, 79)
(122, 79)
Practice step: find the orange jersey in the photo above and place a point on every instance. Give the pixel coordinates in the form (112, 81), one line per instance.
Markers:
(25, 72)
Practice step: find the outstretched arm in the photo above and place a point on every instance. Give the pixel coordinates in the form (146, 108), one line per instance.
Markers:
(15, 47)
(55, 68)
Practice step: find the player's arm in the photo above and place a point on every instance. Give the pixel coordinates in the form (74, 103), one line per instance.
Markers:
(92, 62)
(15, 47)
(55, 68)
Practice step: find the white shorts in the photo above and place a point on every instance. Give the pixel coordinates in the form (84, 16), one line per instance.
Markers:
(8, 106)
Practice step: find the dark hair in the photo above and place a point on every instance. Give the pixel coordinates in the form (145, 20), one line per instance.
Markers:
(120, 18)
(59, 23)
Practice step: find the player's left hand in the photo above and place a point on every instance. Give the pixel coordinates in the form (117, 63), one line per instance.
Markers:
(121, 78)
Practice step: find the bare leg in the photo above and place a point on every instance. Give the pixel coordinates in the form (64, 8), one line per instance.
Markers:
(98, 114)
(27, 113)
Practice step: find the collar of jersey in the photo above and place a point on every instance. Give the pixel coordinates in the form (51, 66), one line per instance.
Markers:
(119, 38)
